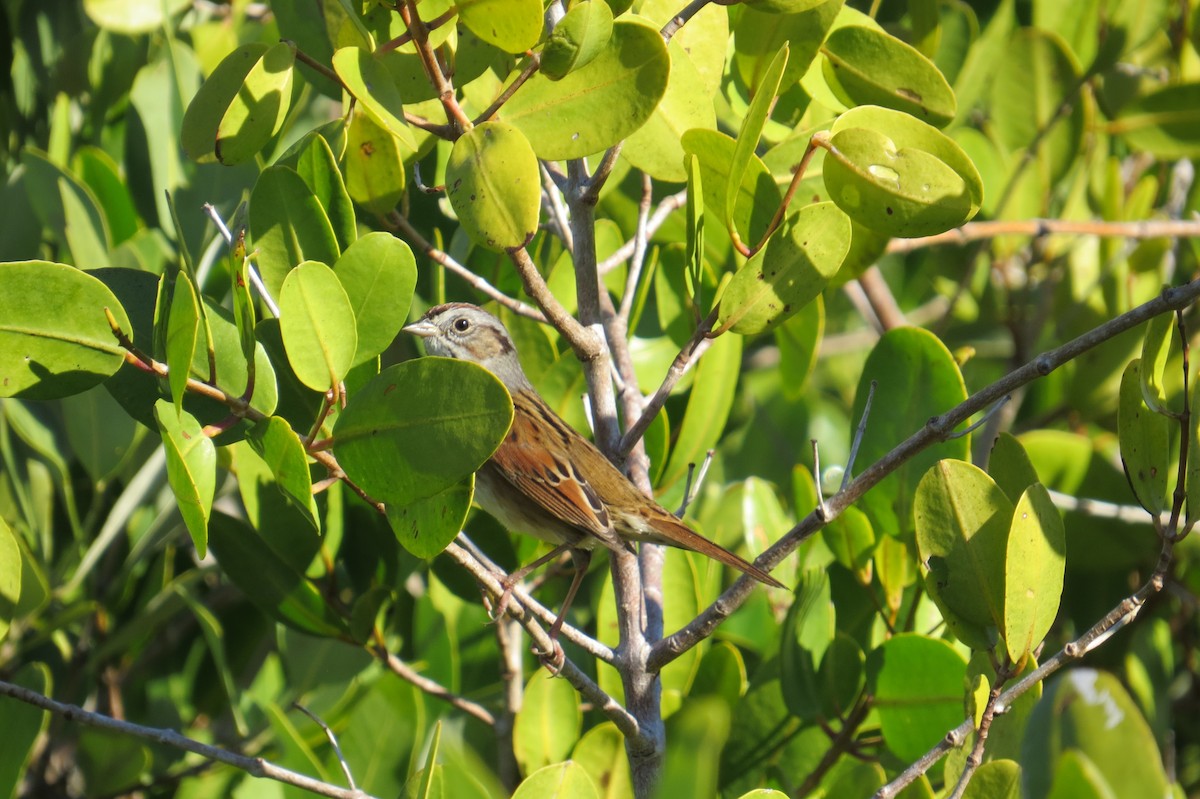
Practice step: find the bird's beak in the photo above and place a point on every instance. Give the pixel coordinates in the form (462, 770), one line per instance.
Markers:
(422, 327)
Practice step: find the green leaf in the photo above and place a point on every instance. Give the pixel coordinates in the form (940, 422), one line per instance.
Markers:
(426, 526)
(375, 172)
(787, 274)
(493, 185)
(288, 226)
(896, 190)
(101, 174)
(548, 723)
(566, 780)
(1156, 347)
(808, 632)
(627, 80)
(57, 196)
(54, 338)
(10, 577)
(385, 434)
(1089, 712)
(207, 109)
(277, 518)
(86, 236)
(907, 131)
(756, 116)
(259, 108)
(577, 38)
(601, 753)
(962, 522)
(318, 325)
(758, 36)
(1145, 443)
(183, 326)
(99, 432)
(997, 779)
(191, 469)
(1164, 123)
(1010, 467)
(918, 693)
(1036, 101)
(1033, 573)
(132, 17)
(798, 339)
(708, 407)
(276, 588)
(758, 196)
(366, 77)
(1192, 477)
(656, 147)
(23, 726)
(318, 166)
(512, 25)
(280, 448)
(695, 740)
(851, 539)
(916, 379)
(874, 68)
(1077, 777)
(379, 274)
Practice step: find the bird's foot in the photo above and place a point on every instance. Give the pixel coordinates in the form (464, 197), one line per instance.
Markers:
(553, 660)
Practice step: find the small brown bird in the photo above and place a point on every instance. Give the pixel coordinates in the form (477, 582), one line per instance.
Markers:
(548, 480)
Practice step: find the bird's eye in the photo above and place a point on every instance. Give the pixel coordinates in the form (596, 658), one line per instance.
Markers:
(462, 324)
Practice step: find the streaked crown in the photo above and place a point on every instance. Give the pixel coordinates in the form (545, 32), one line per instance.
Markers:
(469, 333)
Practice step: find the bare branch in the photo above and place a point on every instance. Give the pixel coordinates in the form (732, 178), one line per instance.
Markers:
(254, 766)
(977, 231)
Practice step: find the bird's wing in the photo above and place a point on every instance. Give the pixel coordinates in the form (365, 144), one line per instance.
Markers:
(531, 463)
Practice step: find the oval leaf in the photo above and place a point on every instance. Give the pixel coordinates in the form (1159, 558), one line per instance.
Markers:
(790, 272)
(426, 526)
(917, 379)
(874, 68)
(384, 436)
(198, 133)
(317, 324)
(259, 108)
(577, 38)
(962, 520)
(280, 448)
(493, 185)
(374, 164)
(548, 723)
(900, 191)
(512, 25)
(366, 77)
(288, 226)
(379, 274)
(1033, 573)
(54, 338)
(626, 80)
(918, 693)
(191, 469)
(1144, 437)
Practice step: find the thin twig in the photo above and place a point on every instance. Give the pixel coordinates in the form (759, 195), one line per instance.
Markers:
(859, 433)
(679, 20)
(254, 766)
(990, 229)
(395, 220)
(333, 741)
(527, 72)
(687, 356)
(409, 674)
(982, 420)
